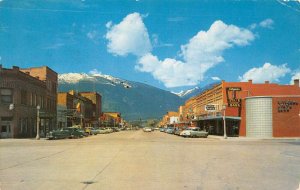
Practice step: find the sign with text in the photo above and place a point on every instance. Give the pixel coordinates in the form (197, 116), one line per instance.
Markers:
(234, 103)
(286, 105)
(211, 107)
(232, 96)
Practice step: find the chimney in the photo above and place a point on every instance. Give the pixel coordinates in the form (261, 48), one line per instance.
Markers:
(250, 80)
(267, 82)
(296, 82)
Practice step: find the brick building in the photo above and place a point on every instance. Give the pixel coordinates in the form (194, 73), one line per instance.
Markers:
(82, 108)
(171, 118)
(111, 119)
(96, 99)
(21, 92)
(229, 99)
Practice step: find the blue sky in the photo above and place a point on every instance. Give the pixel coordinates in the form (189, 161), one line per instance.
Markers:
(173, 45)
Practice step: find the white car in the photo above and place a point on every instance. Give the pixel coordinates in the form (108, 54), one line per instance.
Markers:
(147, 129)
(194, 132)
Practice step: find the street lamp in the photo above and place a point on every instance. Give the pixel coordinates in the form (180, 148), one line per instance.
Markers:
(224, 121)
(38, 107)
(11, 107)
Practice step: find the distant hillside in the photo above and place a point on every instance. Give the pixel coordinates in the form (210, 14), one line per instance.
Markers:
(133, 99)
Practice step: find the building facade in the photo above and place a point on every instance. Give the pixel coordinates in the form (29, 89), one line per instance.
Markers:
(96, 99)
(111, 119)
(22, 92)
(79, 108)
(227, 101)
(271, 116)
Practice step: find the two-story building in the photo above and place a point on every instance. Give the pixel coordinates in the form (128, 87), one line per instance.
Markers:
(23, 93)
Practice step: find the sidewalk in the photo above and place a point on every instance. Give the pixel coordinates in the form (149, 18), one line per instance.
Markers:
(254, 139)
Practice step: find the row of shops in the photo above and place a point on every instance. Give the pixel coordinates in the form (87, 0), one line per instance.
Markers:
(29, 101)
(264, 110)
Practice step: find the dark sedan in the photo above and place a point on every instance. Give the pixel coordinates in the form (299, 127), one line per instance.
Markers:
(59, 134)
(69, 132)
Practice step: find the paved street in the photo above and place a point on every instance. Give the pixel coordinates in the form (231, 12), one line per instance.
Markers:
(139, 160)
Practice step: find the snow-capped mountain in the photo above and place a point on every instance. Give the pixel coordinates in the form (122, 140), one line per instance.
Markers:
(194, 91)
(186, 92)
(73, 78)
(133, 99)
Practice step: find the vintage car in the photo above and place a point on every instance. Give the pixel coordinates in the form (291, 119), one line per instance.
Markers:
(147, 129)
(63, 133)
(91, 131)
(170, 130)
(194, 132)
(177, 131)
(75, 132)
(59, 134)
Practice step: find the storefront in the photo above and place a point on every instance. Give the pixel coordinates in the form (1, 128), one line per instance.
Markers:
(214, 125)
(272, 116)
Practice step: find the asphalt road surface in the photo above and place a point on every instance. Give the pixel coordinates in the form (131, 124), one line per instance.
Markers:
(139, 160)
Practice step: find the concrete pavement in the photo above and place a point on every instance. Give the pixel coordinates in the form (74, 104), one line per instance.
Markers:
(139, 160)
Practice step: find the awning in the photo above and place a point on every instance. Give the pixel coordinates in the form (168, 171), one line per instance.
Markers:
(216, 118)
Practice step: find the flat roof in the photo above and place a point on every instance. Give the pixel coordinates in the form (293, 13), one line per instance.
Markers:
(275, 96)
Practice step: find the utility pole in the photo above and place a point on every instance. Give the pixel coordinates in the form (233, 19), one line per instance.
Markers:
(38, 123)
(224, 120)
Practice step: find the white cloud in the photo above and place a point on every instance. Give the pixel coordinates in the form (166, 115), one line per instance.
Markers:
(296, 75)
(268, 23)
(95, 72)
(201, 53)
(253, 26)
(267, 72)
(130, 36)
(169, 71)
(215, 78)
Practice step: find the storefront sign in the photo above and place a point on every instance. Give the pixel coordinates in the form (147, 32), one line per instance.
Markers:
(234, 88)
(232, 99)
(211, 107)
(286, 105)
(234, 103)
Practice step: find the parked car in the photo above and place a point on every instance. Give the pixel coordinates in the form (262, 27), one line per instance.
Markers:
(104, 130)
(170, 130)
(147, 129)
(194, 132)
(177, 131)
(59, 134)
(75, 132)
(83, 132)
(162, 129)
(116, 129)
(94, 131)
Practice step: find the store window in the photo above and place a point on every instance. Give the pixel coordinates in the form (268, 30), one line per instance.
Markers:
(6, 95)
(3, 129)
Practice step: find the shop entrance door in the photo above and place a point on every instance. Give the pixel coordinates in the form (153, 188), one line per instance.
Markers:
(5, 130)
